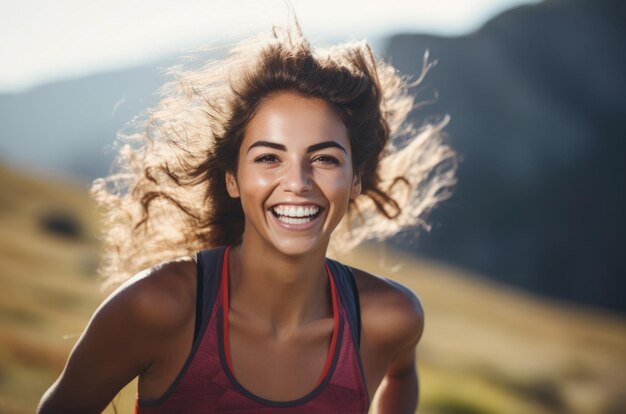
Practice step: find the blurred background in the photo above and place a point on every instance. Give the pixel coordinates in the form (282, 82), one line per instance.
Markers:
(521, 276)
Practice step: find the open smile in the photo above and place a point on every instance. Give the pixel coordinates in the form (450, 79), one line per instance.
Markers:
(296, 215)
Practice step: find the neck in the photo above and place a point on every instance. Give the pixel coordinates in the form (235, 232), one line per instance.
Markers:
(275, 291)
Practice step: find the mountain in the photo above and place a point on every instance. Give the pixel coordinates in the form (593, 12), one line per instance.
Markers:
(538, 115)
(538, 111)
(69, 127)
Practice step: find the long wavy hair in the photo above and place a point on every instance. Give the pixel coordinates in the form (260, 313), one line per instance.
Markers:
(166, 195)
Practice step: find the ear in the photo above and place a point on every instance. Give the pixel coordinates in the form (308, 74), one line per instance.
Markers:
(355, 191)
(231, 185)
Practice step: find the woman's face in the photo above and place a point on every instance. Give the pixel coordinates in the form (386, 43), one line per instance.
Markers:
(294, 175)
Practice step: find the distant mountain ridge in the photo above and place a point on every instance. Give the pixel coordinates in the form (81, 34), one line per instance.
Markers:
(538, 114)
(70, 126)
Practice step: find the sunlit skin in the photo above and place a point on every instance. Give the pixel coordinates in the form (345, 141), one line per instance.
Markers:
(295, 152)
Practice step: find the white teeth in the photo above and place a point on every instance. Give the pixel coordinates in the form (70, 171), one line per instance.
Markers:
(291, 220)
(294, 212)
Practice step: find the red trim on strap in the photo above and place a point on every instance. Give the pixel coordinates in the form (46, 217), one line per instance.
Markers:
(226, 309)
(333, 341)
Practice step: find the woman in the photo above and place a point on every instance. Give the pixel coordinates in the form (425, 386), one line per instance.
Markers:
(249, 170)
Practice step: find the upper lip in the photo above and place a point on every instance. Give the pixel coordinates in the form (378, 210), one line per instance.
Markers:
(298, 203)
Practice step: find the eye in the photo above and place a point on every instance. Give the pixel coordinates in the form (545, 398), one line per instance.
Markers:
(326, 159)
(266, 159)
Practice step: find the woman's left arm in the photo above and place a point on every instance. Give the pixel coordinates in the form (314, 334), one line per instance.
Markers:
(392, 325)
(400, 331)
(399, 389)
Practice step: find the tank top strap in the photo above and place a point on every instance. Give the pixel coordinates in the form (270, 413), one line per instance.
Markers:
(349, 296)
(205, 383)
(208, 264)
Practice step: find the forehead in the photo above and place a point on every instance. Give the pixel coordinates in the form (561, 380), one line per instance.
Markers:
(295, 120)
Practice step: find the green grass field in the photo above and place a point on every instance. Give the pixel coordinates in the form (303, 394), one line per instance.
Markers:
(486, 348)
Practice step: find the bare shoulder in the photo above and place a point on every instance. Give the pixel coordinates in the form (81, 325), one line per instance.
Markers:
(392, 314)
(161, 297)
(124, 337)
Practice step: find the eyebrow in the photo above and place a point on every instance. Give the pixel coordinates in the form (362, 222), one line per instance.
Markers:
(312, 148)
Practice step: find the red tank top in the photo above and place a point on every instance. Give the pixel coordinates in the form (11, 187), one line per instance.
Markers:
(206, 383)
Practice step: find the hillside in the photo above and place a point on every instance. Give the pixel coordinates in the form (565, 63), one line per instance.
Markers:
(485, 349)
(537, 115)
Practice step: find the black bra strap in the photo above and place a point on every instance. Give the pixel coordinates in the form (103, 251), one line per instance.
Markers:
(355, 293)
(344, 279)
(208, 279)
(199, 296)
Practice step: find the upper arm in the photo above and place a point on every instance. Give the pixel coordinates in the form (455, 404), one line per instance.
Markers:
(393, 323)
(408, 326)
(119, 342)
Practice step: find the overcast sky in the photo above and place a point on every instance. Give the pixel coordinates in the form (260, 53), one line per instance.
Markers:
(43, 41)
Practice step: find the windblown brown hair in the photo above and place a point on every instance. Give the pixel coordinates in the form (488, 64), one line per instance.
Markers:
(167, 198)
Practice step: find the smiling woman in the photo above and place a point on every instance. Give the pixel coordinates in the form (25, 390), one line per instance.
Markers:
(248, 171)
(298, 170)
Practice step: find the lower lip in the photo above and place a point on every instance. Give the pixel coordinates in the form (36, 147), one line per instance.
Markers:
(296, 226)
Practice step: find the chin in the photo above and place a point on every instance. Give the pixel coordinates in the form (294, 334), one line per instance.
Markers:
(296, 248)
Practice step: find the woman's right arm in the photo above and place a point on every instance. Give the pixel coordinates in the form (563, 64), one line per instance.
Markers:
(121, 340)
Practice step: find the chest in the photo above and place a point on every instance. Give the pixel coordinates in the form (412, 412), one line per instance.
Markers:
(280, 368)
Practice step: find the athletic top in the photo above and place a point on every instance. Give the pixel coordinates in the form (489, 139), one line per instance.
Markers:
(206, 383)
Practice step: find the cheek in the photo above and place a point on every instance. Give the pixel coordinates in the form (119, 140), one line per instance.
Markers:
(256, 181)
(337, 188)
(255, 186)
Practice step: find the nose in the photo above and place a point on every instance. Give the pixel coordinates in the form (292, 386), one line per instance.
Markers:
(298, 178)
